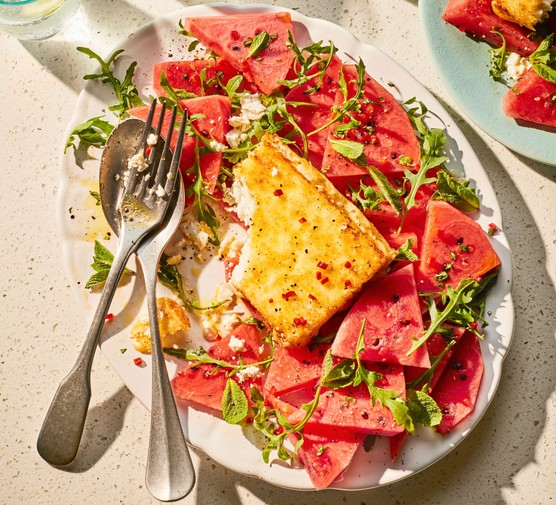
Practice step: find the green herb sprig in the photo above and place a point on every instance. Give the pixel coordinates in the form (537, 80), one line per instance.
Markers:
(102, 262)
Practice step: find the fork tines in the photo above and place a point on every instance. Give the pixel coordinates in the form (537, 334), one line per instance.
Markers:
(147, 180)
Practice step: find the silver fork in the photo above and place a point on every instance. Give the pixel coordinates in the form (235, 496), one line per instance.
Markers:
(140, 212)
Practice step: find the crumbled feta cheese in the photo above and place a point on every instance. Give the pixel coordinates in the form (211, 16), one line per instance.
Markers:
(195, 234)
(224, 292)
(152, 139)
(516, 66)
(236, 344)
(249, 372)
(251, 106)
(245, 203)
(137, 162)
(160, 192)
(235, 138)
(217, 146)
(174, 260)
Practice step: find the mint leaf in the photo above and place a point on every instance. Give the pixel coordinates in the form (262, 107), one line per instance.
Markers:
(405, 252)
(341, 375)
(351, 150)
(234, 403)
(370, 198)
(422, 408)
(94, 131)
(543, 59)
(102, 262)
(389, 192)
(259, 43)
(458, 193)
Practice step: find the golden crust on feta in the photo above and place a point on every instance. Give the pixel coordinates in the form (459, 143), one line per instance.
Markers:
(173, 323)
(309, 250)
(525, 13)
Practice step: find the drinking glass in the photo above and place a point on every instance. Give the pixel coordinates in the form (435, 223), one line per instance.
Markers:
(35, 19)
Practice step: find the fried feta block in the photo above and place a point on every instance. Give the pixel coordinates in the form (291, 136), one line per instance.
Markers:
(173, 324)
(527, 13)
(308, 250)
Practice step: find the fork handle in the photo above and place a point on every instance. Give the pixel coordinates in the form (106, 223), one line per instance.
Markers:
(62, 427)
(169, 474)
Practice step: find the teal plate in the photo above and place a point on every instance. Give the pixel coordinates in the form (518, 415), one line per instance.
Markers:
(463, 65)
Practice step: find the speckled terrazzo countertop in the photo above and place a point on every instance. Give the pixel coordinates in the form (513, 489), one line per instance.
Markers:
(509, 458)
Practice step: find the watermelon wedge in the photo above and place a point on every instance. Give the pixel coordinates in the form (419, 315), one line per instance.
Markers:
(477, 18)
(327, 453)
(294, 368)
(186, 75)
(392, 314)
(385, 130)
(532, 99)
(213, 126)
(204, 384)
(230, 36)
(454, 247)
(456, 391)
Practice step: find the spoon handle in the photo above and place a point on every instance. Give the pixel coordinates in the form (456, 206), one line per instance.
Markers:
(62, 427)
(169, 474)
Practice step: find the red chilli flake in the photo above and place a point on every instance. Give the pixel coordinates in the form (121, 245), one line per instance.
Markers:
(347, 283)
(322, 264)
(299, 321)
(492, 229)
(139, 361)
(109, 317)
(303, 220)
(474, 325)
(347, 264)
(271, 300)
(288, 295)
(319, 275)
(312, 297)
(148, 150)
(234, 34)
(325, 280)
(278, 192)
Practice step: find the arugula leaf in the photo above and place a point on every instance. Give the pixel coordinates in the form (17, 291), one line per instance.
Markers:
(405, 252)
(389, 192)
(94, 131)
(102, 262)
(170, 276)
(315, 56)
(425, 378)
(456, 192)
(173, 96)
(96, 196)
(497, 58)
(543, 59)
(126, 92)
(454, 301)
(235, 406)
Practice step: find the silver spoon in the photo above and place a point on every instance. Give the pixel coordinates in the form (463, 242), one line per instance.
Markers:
(169, 474)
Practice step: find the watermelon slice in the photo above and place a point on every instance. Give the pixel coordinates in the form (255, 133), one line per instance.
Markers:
(458, 387)
(392, 314)
(214, 125)
(317, 112)
(350, 409)
(294, 368)
(204, 384)
(390, 143)
(186, 75)
(229, 36)
(476, 18)
(532, 99)
(327, 453)
(453, 245)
